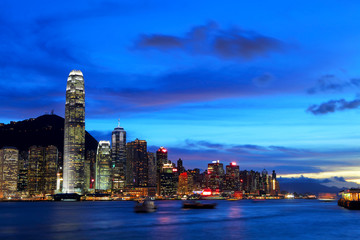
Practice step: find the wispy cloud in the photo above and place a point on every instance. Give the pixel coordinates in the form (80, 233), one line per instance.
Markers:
(331, 83)
(211, 39)
(333, 106)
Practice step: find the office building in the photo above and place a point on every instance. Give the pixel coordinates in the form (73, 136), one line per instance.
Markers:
(118, 148)
(137, 164)
(9, 158)
(74, 136)
(103, 166)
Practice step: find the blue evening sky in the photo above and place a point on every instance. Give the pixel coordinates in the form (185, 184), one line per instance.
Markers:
(268, 84)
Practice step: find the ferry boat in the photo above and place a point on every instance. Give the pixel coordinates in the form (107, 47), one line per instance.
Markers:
(198, 205)
(145, 206)
(67, 197)
(350, 199)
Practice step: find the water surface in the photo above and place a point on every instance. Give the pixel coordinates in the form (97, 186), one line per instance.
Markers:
(245, 219)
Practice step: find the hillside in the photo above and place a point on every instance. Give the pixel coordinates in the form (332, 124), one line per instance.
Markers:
(41, 131)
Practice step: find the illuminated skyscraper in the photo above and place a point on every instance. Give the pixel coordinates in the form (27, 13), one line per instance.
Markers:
(232, 177)
(161, 159)
(8, 172)
(118, 149)
(74, 139)
(103, 166)
(152, 169)
(168, 181)
(42, 170)
(137, 164)
(215, 175)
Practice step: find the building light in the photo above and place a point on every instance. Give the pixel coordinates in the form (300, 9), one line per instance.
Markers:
(206, 192)
(233, 163)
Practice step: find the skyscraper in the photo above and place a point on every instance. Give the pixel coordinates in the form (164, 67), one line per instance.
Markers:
(215, 175)
(8, 172)
(232, 177)
(103, 166)
(168, 181)
(161, 159)
(137, 164)
(74, 139)
(42, 170)
(118, 149)
(180, 166)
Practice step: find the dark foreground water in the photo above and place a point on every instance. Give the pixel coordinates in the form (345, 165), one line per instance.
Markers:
(246, 219)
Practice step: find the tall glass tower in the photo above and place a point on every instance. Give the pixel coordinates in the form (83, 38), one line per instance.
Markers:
(74, 139)
(103, 166)
(118, 148)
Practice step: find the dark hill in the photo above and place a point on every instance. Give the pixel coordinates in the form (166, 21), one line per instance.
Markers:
(309, 186)
(42, 131)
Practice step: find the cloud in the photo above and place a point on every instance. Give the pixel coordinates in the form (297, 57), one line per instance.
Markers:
(333, 105)
(331, 83)
(198, 153)
(210, 39)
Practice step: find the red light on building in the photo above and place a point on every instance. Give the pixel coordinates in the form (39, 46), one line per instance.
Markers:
(175, 170)
(92, 180)
(164, 150)
(233, 163)
(241, 180)
(206, 192)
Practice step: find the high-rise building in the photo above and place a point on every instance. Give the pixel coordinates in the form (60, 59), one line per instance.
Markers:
(180, 166)
(9, 158)
(168, 181)
(118, 148)
(36, 171)
(215, 175)
(74, 137)
(232, 177)
(103, 166)
(23, 172)
(42, 170)
(137, 164)
(51, 158)
(152, 169)
(161, 159)
(183, 187)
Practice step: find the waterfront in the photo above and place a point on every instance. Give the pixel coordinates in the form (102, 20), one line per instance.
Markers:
(246, 219)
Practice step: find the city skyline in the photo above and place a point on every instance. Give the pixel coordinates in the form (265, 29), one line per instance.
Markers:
(274, 89)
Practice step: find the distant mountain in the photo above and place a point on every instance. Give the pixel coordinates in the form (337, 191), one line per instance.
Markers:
(42, 131)
(306, 185)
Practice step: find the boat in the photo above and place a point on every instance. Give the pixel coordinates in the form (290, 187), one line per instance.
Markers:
(98, 197)
(198, 205)
(350, 199)
(327, 197)
(67, 197)
(145, 206)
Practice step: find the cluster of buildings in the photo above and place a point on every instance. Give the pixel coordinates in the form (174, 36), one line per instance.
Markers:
(121, 168)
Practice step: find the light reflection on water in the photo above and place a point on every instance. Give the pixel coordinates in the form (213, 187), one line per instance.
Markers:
(244, 219)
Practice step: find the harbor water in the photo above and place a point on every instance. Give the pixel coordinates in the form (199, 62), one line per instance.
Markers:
(244, 219)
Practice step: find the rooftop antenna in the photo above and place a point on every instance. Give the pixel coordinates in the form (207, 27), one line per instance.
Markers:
(119, 122)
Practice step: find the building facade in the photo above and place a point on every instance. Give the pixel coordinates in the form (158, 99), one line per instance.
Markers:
(42, 170)
(161, 159)
(103, 166)
(118, 148)
(137, 164)
(9, 158)
(74, 136)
